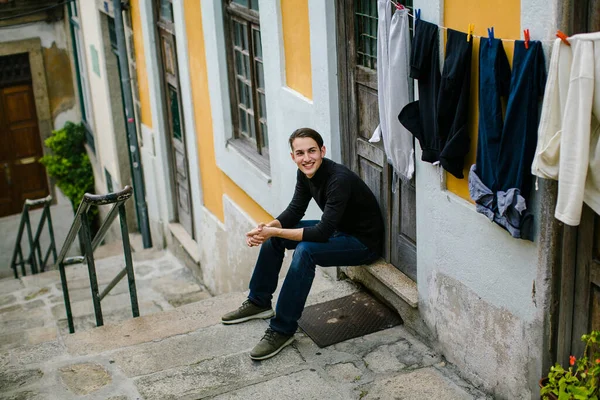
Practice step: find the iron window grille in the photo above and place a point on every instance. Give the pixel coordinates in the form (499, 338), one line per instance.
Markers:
(365, 18)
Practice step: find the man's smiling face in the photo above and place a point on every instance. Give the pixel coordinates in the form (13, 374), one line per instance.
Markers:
(307, 155)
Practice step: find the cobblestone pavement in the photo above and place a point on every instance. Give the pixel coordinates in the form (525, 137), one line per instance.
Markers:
(178, 349)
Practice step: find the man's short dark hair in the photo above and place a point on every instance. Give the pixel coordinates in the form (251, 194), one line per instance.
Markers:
(306, 133)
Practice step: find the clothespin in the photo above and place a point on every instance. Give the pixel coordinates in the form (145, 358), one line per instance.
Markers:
(470, 31)
(490, 35)
(399, 6)
(563, 37)
(418, 14)
(526, 33)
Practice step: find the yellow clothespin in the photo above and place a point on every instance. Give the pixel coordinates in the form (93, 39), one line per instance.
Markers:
(470, 31)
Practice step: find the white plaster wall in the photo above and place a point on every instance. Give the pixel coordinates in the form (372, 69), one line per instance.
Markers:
(48, 33)
(287, 110)
(227, 262)
(71, 115)
(476, 283)
(103, 123)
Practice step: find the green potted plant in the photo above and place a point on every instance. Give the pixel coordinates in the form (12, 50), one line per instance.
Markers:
(581, 380)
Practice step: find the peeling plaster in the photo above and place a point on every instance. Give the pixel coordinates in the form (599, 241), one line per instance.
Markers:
(502, 356)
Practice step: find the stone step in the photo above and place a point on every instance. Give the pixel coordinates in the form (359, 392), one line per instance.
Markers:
(186, 353)
(34, 305)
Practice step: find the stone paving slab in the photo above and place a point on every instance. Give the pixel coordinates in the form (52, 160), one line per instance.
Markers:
(28, 337)
(231, 372)
(301, 385)
(188, 349)
(8, 285)
(144, 329)
(427, 383)
(113, 316)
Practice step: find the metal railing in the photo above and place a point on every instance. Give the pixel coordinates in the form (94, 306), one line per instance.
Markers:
(35, 259)
(81, 227)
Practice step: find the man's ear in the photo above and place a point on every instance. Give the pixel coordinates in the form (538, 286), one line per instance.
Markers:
(292, 155)
(323, 151)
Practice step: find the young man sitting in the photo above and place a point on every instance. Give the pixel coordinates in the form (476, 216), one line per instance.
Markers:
(350, 232)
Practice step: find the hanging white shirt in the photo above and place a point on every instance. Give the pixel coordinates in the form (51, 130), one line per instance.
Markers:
(394, 88)
(568, 146)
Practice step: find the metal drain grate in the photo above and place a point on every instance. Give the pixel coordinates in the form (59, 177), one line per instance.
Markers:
(346, 318)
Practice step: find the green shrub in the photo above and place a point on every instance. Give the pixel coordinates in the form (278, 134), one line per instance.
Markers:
(69, 163)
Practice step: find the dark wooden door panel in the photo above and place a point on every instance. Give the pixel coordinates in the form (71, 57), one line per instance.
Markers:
(586, 313)
(359, 119)
(175, 127)
(21, 175)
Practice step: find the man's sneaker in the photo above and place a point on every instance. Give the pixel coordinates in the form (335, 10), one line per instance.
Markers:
(246, 312)
(271, 344)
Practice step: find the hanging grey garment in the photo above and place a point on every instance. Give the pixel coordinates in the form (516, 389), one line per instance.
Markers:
(395, 88)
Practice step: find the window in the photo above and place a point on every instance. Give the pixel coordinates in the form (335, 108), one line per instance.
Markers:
(366, 30)
(246, 81)
(82, 78)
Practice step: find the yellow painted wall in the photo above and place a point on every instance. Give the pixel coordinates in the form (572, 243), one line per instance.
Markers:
(140, 62)
(214, 182)
(296, 41)
(505, 17)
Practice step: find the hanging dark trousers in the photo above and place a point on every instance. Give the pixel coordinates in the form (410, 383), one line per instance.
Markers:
(453, 103)
(505, 202)
(420, 117)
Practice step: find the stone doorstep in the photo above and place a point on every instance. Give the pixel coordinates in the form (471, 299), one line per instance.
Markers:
(186, 241)
(398, 283)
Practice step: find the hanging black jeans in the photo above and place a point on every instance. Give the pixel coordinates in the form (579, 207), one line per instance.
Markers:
(420, 117)
(453, 103)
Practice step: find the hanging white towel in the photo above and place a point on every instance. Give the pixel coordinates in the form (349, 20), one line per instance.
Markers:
(569, 132)
(395, 88)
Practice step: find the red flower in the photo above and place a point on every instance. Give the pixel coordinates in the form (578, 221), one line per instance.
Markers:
(597, 360)
(572, 360)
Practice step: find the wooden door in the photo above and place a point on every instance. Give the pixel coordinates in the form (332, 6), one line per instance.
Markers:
(586, 304)
(174, 113)
(21, 175)
(357, 47)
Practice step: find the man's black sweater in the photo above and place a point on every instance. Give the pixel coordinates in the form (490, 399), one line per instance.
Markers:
(347, 203)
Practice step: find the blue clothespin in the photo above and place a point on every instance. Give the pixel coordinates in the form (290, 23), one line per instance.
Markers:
(418, 14)
(490, 35)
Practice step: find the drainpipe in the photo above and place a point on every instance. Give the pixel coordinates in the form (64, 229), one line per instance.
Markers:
(134, 148)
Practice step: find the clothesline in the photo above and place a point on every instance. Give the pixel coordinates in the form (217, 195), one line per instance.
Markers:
(398, 5)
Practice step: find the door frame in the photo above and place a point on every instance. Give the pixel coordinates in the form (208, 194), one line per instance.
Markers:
(559, 243)
(33, 47)
(397, 250)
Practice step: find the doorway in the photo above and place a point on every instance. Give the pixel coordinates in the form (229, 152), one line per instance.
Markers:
(357, 63)
(175, 129)
(21, 175)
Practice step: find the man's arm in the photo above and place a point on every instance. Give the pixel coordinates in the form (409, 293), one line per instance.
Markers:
(263, 231)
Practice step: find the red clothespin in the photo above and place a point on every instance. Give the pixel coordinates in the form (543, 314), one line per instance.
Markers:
(399, 6)
(563, 37)
(526, 33)
(470, 31)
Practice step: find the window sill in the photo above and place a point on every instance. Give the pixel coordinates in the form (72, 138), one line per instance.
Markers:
(248, 151)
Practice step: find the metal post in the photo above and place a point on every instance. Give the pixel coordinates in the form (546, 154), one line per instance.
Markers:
(134, 148)
(128, 261)
(31, 252)
(89, 255)
(63, 279)
(36, 239)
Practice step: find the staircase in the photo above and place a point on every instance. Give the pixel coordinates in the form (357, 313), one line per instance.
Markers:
(177, 348)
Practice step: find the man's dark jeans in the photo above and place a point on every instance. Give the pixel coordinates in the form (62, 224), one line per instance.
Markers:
(341, 249)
